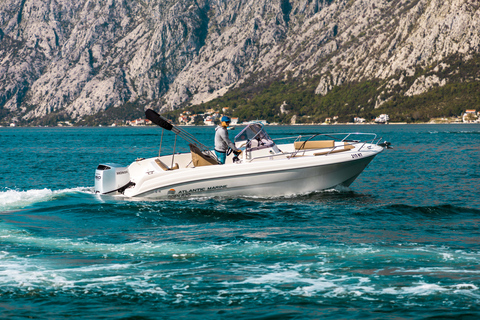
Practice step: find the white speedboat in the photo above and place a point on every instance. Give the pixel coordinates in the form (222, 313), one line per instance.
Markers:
(266, 168)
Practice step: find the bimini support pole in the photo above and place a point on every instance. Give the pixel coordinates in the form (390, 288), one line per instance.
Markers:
(173, 154)
(161, 140)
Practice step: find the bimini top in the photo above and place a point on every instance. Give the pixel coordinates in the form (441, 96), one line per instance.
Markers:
(255, 137)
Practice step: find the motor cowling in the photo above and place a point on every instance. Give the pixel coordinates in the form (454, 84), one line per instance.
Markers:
(110, 177)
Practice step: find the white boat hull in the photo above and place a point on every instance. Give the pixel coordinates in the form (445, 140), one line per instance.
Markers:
(266, 179)
(266, 169)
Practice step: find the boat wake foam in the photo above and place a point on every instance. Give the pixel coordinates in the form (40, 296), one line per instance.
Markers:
(325, 274)
(11, 199)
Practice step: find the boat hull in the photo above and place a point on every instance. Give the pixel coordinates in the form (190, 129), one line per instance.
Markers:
(293, 176)
(262, 167)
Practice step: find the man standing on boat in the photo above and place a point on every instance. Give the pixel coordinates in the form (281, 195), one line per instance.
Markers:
(222, 142)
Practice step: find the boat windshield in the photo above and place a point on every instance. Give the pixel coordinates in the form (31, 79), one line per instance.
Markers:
(255, 137)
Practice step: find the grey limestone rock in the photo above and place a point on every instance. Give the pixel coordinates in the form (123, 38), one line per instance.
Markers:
(81, 57)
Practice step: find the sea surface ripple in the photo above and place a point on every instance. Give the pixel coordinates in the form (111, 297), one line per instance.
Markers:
(401, 243)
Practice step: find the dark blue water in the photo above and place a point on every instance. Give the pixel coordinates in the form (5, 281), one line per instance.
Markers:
(403, 242)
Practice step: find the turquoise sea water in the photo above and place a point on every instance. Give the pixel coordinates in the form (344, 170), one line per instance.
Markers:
(403, 242)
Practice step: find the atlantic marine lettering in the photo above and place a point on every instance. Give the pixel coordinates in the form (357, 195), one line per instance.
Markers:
(216, 187)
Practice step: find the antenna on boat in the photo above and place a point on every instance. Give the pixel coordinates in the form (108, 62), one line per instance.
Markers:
(163, 123)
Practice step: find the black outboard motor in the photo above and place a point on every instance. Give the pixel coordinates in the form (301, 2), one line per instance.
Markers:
(111, 177)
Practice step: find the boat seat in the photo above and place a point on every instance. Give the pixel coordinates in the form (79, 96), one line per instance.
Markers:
(164, 166)
(347, 146)
(200, 159)
(320, 144)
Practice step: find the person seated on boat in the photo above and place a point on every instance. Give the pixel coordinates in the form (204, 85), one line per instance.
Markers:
(222, 141)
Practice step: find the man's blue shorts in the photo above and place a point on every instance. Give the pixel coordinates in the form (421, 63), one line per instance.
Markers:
(222, 156)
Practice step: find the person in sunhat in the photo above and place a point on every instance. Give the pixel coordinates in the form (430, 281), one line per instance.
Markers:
(222, 142)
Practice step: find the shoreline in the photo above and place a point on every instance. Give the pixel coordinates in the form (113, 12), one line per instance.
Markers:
(268, 125)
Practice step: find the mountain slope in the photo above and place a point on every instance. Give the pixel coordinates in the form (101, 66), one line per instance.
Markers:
(76, 59)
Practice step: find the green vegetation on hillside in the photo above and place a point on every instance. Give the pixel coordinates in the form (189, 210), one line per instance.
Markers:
(263, 102)
(346, 102)
(126, 112)
(447, 101)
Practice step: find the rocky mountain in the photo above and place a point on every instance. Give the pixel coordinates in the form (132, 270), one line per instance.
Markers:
(77, 58)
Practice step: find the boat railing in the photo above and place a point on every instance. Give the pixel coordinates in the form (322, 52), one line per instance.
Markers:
(349, 139)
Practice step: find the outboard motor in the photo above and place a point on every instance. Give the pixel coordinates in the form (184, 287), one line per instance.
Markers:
(111, 177)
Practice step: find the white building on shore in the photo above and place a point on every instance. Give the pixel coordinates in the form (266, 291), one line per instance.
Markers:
(382, 119)
(470, 116)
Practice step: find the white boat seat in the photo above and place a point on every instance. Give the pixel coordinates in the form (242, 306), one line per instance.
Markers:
(320, 144)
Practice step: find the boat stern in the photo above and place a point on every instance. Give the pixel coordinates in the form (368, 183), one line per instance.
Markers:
(111, 178)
